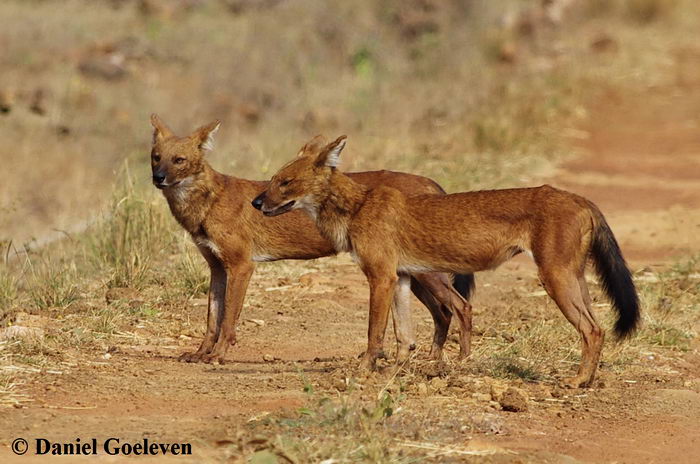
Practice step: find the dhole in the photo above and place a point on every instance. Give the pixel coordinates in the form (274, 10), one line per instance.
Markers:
(215, 209)
(390, 234)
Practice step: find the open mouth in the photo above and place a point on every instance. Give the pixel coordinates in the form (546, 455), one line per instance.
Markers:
(282, 209)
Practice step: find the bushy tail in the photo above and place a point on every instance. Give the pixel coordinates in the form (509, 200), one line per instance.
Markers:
(615, 276)
(464, 284)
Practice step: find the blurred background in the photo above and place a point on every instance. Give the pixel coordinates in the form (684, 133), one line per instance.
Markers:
(474, 93)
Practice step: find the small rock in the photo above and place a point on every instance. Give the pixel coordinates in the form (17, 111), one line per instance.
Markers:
(268, 358)
(340, 385)
(258, 322)
(514, 400)
(422, 389)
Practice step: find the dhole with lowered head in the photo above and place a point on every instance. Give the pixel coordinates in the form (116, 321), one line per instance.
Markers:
(392, 234)
(215, 209)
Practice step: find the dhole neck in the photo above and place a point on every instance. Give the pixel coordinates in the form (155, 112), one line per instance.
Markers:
(345, 196)
(191, 202)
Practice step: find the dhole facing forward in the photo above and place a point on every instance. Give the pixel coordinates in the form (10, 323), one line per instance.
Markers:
(392, 235)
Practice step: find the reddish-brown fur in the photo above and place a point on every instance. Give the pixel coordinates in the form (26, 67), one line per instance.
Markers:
(460, 233)
(215, 209)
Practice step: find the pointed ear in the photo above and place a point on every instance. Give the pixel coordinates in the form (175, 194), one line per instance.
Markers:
(330, 156)
(160, 130)
(312, 146)
(205, 135)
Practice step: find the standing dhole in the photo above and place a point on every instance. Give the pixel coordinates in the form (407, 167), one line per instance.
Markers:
(215, 209)
(391, 234)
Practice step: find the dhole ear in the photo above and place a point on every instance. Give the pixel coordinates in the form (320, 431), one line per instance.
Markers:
(160, 130)
(330, 156)
(205, 135)
(312, 146)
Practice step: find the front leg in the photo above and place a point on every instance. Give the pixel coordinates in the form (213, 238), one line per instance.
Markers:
(217, 293)
(237, 279)
(382, 283)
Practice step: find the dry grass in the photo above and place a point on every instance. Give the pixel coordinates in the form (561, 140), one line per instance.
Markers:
(135, 231)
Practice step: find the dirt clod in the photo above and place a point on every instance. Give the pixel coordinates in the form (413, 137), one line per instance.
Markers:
(514, 400)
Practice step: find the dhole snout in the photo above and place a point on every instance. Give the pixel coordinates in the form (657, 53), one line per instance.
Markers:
(272, 208)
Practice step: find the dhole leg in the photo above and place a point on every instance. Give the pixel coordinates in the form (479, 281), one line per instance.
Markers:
(567, 290)
(217, 295)
(442, 316)
(237, 280)
(441, 288)
(381, 288)
(403, 324)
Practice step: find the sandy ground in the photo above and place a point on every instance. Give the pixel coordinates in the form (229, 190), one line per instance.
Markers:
(641, 165)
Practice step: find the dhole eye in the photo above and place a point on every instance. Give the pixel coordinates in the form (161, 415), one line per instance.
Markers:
(285, 182)
(156, 158)
(179, 160)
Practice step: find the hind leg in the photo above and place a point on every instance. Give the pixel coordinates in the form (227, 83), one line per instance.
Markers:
(440, 287)
(598, 341)
(403, 324)
(441, 315)
(571, 296)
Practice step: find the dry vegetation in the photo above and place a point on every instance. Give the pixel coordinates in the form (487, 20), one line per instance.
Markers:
(470, 93)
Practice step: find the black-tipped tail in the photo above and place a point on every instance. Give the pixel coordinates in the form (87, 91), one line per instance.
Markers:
(464, 284)
(615, 277)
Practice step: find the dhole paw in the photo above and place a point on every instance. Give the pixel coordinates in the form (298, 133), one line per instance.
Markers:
(191, 357)
(402, 356)
(435, 354)
(367, 362)
(212, 358)
(576, 382)
(380, 355)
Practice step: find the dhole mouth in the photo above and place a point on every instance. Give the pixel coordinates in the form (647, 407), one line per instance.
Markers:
(164, 185)
(282, 209)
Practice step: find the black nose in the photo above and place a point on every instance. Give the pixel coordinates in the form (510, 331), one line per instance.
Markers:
(258, 201)
(158, 178)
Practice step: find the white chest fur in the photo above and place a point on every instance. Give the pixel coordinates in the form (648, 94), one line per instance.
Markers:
(204, 242)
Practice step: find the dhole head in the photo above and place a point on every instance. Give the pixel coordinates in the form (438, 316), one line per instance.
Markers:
(177, 160)
(303, 182)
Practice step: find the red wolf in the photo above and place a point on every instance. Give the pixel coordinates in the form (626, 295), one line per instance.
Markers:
(215, 209)
(460, 233)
